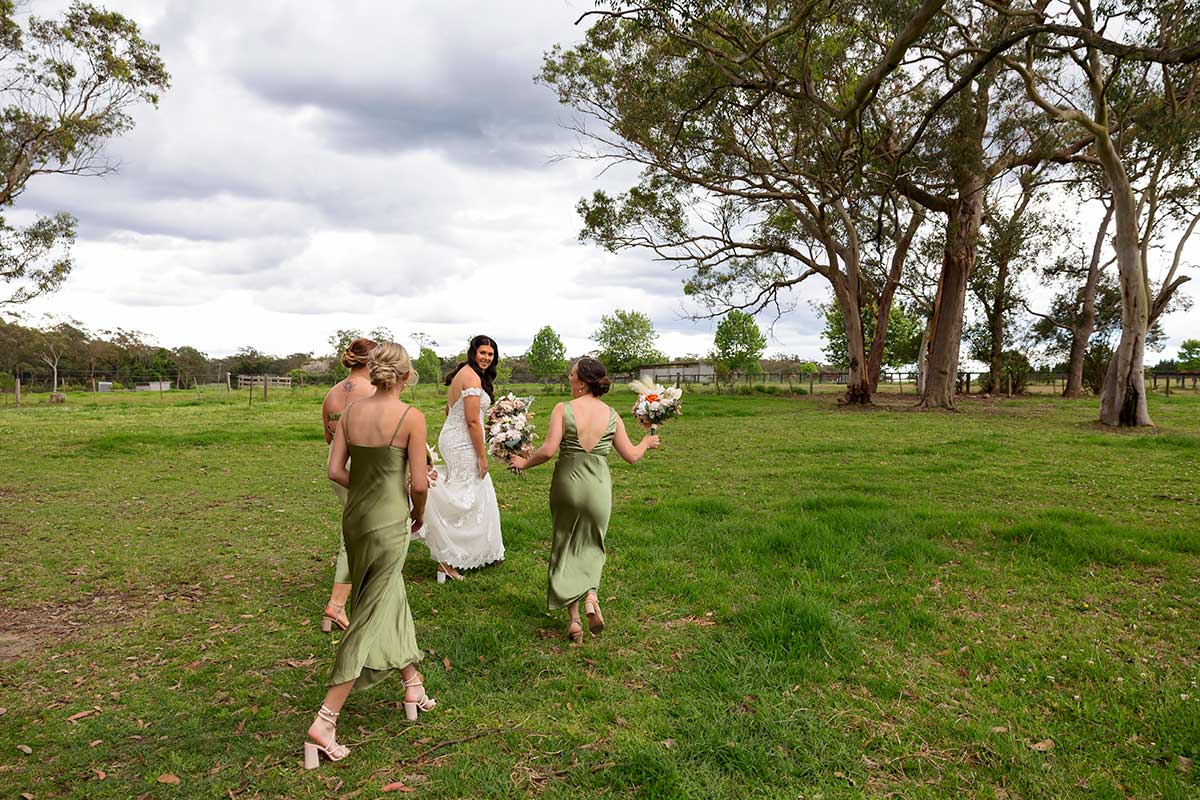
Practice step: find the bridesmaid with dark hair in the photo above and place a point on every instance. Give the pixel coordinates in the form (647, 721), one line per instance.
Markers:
(587, 429)
(354, 386)
(462, 523)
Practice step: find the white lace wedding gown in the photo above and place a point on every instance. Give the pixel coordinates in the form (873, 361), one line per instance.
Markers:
(462, 519)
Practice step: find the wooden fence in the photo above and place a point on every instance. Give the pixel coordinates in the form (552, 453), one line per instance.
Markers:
(271, 381)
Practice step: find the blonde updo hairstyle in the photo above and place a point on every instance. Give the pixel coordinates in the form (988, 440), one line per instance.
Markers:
(389, 365)
(356, 353)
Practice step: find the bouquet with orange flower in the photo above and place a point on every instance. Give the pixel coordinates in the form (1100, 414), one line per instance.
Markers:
(656, 404)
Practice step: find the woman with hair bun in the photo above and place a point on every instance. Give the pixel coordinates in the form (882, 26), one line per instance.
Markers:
(386, 438)
(587, 429)
(354, 386)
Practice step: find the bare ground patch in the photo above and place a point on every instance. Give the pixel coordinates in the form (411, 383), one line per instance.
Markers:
(25, 631)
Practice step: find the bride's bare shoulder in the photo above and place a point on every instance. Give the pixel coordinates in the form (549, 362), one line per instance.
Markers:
(467, 377)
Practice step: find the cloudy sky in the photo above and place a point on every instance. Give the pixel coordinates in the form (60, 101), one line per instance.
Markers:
(318, 166)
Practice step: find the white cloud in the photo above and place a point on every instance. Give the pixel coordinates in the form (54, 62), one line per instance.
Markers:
(353, 165)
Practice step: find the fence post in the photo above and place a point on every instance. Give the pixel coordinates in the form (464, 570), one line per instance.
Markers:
(264, 380)
(228, 384)
(18, 393)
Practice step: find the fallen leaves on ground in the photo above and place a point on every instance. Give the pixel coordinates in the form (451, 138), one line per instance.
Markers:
(1044, 746)
(168, 778)
(397, 786)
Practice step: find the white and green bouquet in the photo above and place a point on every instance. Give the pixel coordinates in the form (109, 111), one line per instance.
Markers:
(656, 404)
(510, 428)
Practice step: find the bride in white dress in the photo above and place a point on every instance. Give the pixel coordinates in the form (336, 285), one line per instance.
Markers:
(462, 519)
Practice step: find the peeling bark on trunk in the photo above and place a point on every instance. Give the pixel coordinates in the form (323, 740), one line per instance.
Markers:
(962, 238)
(1079, 342)
(1123, 398)
(858, 387)
(1081, 330)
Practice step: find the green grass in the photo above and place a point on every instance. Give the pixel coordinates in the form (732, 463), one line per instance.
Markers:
(803, 600)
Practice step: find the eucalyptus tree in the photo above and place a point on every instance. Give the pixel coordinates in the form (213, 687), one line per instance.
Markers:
(67, 86)
(1137, 99)
(966, 130)
(748, 124)
(1018, 232)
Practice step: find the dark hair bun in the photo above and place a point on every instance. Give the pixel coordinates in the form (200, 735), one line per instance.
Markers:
(356, 354)
(594, 376)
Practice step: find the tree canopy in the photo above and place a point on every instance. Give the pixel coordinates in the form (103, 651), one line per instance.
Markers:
(67, 87)
(626, 339)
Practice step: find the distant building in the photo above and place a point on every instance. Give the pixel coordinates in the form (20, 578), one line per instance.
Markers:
(676, 372)
(154, 386)
(104, 386)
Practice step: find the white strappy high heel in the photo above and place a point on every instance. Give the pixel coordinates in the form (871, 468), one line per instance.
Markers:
(426, 703)
(328, 623)
(443, 576)
(332, 750)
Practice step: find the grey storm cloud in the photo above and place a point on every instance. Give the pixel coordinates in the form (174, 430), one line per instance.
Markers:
(324, 166)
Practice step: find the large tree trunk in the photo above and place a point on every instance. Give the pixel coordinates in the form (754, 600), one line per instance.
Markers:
(1081, 331)
(923, 357)
(962, 237)
(858, 387)
(1079, 344)
(883, 316)
(1123, 398)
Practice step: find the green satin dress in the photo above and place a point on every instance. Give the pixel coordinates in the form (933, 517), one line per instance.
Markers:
(580, 505)
(381, 637)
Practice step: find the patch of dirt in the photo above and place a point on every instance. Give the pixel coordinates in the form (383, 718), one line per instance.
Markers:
(24, 631)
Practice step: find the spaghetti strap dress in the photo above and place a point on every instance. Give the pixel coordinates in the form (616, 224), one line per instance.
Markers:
(381, 637)
(580, 505)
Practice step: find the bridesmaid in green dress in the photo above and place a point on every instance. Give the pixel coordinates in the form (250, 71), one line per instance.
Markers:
(354, 386)
(583, 432)
(386, 438)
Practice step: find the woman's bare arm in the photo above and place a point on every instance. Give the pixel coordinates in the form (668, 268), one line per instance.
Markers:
(629, 451)
(554, 434)
(418, 490)
(338, 457)
(471, 404)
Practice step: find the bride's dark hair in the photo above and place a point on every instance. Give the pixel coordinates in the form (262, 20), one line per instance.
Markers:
(486, 376)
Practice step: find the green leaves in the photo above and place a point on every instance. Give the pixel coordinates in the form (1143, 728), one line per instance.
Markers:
(68, 88)
(547, 355)
(739, 344)
(626, 339)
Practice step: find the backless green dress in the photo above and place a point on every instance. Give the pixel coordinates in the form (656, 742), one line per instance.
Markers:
(580, 505)
(381, 637)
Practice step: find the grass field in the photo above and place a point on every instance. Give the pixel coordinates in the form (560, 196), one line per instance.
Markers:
(803, 601)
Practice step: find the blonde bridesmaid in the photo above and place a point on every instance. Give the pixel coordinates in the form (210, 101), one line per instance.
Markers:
(383, 441)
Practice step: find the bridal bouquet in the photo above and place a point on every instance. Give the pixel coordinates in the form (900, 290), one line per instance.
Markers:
(655, 405)
(509, 431)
